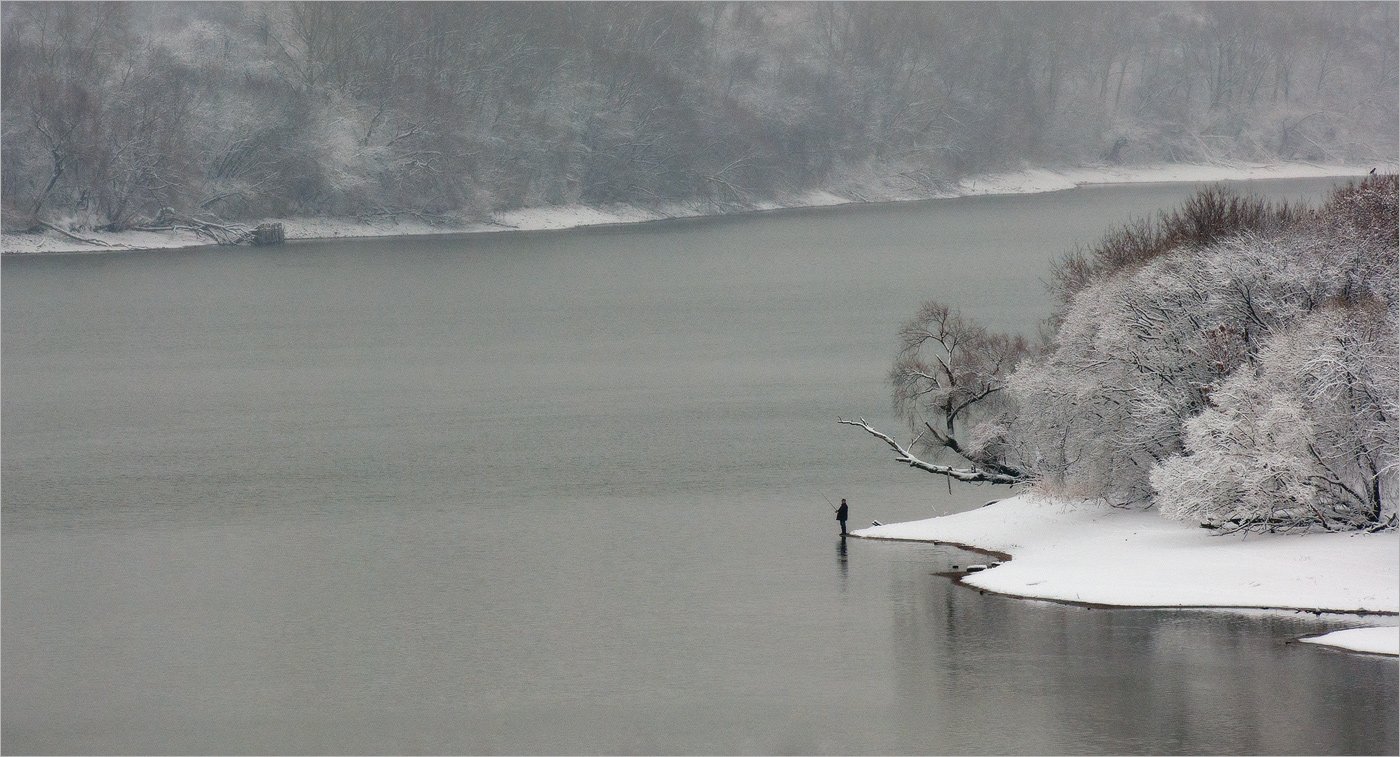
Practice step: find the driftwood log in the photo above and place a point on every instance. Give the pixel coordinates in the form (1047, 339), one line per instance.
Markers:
(75, 237)
(215, 230)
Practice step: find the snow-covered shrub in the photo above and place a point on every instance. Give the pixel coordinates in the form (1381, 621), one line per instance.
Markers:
(1212, 214)
(1307, 438)
(1243, 377)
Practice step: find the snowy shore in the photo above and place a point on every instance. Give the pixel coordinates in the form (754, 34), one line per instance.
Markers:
(1372, 640)
(1095, 554)
(574, 216)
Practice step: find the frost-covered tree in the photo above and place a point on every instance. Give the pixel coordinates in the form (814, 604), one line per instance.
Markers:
(1150, 320)
(1306, 439)
(950, 387)
(1304, 433)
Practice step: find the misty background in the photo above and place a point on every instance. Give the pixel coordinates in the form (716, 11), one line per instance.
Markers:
(450, 111)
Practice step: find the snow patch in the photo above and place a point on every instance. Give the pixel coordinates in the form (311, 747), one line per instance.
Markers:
(1085, 552)
(1033, 181)
(820, 199)
(1376, 640)
(572, 216)
(307, 227)
(1019, 182)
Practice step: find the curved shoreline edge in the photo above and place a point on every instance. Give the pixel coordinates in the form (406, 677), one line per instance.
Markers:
(1372, 640)
(958, 577)
(1094, 556)
(558, 218)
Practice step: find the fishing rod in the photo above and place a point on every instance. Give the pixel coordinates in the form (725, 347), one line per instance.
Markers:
(828, 501)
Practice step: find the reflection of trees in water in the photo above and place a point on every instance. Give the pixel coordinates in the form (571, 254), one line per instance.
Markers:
(1002, 675)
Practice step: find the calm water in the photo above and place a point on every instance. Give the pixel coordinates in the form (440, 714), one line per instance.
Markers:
(563, 492)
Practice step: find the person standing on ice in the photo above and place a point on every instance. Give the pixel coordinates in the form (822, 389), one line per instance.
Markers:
(841, 516)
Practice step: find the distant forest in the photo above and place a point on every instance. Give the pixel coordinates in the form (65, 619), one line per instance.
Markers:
(115, 114)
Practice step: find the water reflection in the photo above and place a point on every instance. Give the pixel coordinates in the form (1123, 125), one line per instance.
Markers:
(841, 562)
(1125, 681)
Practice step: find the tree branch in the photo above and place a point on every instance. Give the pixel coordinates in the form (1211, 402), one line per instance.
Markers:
(75, 237)
(903, 455)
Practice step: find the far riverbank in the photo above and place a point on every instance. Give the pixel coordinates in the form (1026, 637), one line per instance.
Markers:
(1028, 181)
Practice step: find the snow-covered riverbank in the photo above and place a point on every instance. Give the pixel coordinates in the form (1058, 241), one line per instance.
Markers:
(574, 216)
(1095, 554)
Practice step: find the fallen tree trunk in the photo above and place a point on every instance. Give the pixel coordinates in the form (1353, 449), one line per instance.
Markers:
(904, 455)
(75, 237)
(217, 232)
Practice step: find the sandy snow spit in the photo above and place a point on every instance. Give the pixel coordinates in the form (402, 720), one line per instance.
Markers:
(573, 216)
(1096, 554)
(1376, 640)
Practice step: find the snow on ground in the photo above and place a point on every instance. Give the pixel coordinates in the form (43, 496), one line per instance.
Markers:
(115, 241)
(1044, 180)
(336, 228)
(574, 216)
(1376, 639)
(820, 199)
(566, 217)
(1084, 552)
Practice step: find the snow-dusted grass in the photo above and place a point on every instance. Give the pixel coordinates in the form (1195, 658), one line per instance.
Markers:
(1375, 639)
(573, 216)
(1084, 552)
(1043, 180)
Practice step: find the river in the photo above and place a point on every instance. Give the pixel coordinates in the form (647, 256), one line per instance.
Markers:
(566, 492)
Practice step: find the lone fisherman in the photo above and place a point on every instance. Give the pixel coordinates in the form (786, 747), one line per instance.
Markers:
(841, 516)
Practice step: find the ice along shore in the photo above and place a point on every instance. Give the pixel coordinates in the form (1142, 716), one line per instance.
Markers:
(1095, 554)
(1028, 181)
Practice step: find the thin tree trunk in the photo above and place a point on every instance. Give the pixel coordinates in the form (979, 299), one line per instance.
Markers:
(57, 172)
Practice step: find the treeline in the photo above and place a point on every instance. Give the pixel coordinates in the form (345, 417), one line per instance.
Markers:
(114, 111)
(1233, 362)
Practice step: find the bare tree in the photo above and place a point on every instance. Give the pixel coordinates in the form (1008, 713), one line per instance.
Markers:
(949, 384)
